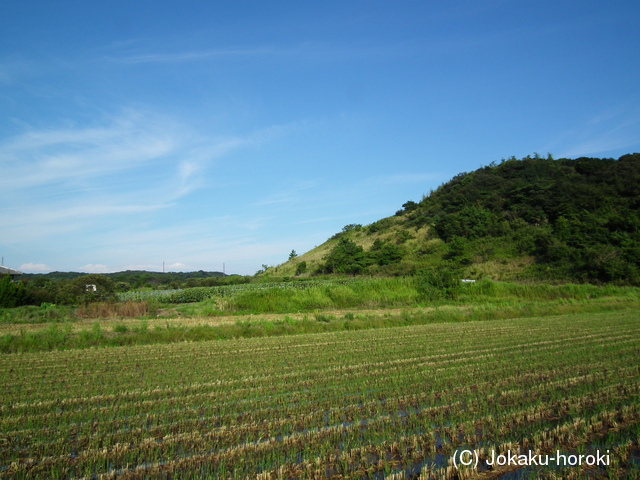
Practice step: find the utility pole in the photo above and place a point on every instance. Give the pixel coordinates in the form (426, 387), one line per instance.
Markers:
(163, 266)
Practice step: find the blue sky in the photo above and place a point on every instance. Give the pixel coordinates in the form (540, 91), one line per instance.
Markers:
(198, 133)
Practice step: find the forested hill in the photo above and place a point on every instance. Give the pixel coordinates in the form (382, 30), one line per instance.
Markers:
(141, 278)
(534, 218)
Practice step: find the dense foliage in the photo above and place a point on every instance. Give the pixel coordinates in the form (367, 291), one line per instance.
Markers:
(346, 257)
(143, 279)
(12, 294)
(556, 220)
(579, 218)
(576, 220)
(70, 288)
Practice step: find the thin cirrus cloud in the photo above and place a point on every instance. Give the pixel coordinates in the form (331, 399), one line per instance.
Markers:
(614, 128)
(190, 56)
(402, 178)
(304, 51)
(63, 179)
(133, 141)
(62, 156)
(103, 196)
(54, 180)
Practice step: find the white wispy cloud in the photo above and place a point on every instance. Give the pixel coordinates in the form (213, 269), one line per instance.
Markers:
(66, 155)
(196, 55)
(60, 180)
(34, 268)
(109, 195)
(612, 129)
(94, 268)
(303, 51)
(401, 178)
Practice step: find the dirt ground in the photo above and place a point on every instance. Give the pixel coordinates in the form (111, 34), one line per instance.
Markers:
(110, 323)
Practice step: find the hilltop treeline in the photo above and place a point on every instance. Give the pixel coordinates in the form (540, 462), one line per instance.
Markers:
(134, 277)
(542, 218)
(577, 218)
(71, 287)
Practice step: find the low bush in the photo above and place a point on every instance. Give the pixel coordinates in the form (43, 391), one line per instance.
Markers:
(437, 284)
(130, 309)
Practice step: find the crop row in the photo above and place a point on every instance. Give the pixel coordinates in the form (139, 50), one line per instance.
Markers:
(453, 365)
(198, 294)
(263, 423)
(29, 375)
(263, 447)
(350, 404)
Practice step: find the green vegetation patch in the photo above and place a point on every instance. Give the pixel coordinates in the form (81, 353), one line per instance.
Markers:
(351, 404)
(483, 300)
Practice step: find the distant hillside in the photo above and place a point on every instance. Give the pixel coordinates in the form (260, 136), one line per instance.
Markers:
(535, 218)
(135, 278)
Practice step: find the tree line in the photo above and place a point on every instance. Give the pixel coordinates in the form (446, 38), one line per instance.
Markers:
(578, 219)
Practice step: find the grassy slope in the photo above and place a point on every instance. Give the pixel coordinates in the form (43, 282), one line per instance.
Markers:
(360, 305)
(365, 238)
(422, 250)
(530, 219)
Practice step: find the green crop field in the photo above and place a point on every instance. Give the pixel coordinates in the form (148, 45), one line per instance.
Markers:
(391, 403)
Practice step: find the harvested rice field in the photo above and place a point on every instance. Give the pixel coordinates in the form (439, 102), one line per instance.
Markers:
(391, 403)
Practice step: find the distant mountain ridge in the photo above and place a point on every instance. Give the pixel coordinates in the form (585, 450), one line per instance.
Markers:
(132, 276)
(536, 218)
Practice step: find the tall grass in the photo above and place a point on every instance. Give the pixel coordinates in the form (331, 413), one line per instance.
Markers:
(50, 313)
(45, 313)
(114, 309)
(318, 295)
(488, 291)
(322, 300)
(364, 293)
(55, 337)
(396, 292)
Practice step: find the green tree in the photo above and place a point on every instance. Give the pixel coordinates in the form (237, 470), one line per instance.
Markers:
(384, 253)
(301, 268)
(350, 227)
(91, 288)
(459, 251)
(469, 222)
(434, 284)
(407, 207)
(12, 294)
(292, 255)
(345, 257)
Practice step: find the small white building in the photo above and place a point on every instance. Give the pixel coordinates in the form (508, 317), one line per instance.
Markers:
(9, 271)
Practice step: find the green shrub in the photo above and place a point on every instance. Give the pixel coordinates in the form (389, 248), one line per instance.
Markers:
(346, 257)
(436, 284)
(301, 268)
(120, 328)
(12, 294)
(89, 288)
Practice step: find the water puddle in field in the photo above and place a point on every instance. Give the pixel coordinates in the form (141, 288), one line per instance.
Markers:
(556, 461)
(445, 438)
